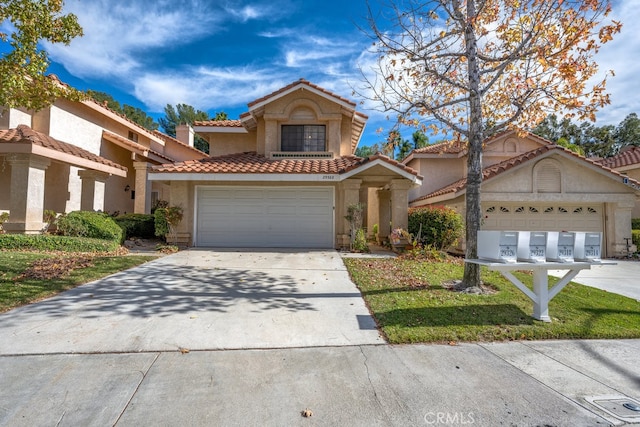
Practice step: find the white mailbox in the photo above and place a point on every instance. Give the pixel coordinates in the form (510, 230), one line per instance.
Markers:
(588, 246)
(560, 246)
(532, 246)
(501, 246)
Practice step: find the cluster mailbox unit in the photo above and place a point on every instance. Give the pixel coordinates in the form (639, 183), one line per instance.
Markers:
(539, 251)
(539, 246)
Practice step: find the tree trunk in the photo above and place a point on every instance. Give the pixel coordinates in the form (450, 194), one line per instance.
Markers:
(474, 157)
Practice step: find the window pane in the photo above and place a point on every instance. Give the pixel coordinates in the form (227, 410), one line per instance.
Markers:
(303, 138)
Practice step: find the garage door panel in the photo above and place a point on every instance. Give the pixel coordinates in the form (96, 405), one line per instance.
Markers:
(265, 217)
(543, 217)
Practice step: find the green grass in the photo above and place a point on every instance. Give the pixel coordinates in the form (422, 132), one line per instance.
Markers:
(410, 304)
(16, 291)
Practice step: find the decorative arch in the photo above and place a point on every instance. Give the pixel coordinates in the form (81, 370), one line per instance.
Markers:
(510, 145)
(303, 109)
(547, 176)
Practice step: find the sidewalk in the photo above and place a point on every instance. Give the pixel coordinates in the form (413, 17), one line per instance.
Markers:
(548, 383)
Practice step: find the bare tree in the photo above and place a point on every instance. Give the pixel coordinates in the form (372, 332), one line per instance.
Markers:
(476, 67)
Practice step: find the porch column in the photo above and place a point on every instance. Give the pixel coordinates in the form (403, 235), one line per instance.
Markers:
(351, 192)
(27, 193)
(373, 211)
(92, 193)
(179, 196)
(618, 227)
(400, 203)
(384, 213)
(142, 202)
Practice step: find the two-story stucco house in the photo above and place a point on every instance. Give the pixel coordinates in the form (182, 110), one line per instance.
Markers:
(530, 184)
(284, 175)
(79, 156)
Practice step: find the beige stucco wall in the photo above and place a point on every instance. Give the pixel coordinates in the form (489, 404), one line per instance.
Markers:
(437, 173)
(221, 144)
(12, 117)
(507, 147)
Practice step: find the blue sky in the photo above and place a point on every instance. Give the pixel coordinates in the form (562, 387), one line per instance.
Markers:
(218, 56)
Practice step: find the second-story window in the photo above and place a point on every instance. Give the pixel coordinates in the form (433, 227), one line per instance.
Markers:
(303, 138)
(133, 136)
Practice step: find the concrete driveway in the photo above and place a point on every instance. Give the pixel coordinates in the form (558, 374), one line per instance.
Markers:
(622, 278)
(200, 300)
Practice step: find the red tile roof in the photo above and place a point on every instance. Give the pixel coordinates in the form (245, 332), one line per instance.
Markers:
(218, 123)
(23, 134)
(457, 147)
(294, 84)
(628, 157)
(251, 162)
(498, 168)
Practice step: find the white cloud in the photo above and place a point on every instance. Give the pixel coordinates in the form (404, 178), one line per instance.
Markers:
(206, 88)
(117, 33)
(620, 55)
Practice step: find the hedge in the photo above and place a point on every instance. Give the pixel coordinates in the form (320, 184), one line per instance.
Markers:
(137, 225)
(47, 242)
(635, 238)
(441, 226)
(635, 224)
(95, 225)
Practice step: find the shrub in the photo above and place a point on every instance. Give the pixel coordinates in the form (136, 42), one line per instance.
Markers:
(441, 226)
(360, 242)
(160, 221)
(167, 220)
(635, 238)
(96, 225)
(635, 224)
(4, 217)
(46, 242)
(137, 225)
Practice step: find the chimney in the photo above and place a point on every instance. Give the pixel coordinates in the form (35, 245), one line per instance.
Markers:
(185, 133)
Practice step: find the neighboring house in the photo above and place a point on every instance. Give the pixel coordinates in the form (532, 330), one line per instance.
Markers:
(627, 162)
(530, 184)
(284, 175)
(79, 156)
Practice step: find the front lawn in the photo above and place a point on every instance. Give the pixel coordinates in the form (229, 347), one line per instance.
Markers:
(26, 277)
(411, 302)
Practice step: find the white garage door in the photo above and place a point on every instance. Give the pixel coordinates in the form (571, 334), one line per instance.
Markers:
(271, 217)
(543, 217)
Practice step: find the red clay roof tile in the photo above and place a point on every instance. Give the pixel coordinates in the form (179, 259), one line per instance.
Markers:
(251, 162)
(23, 134)
(628, 157)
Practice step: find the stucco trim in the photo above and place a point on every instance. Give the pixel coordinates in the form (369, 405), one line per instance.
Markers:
(378, 162)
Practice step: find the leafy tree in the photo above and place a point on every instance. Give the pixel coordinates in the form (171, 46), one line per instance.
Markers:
(139, 116)
(185, 114)
(22, 68)
(133, 113)
(419, 139)
(628, 131)
(481, 66)
(367, 150)
(563, 142)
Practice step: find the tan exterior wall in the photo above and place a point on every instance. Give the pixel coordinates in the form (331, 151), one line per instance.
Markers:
(505, 148)
(437, 173)
(221, 144)
(13, 117)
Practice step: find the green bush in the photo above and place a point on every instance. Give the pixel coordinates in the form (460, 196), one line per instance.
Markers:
(161, 224)
(360, 242)
(137, 225)
(96, 225)
(441, 226)
(635, 237)
(46, 242)
(635, 224)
